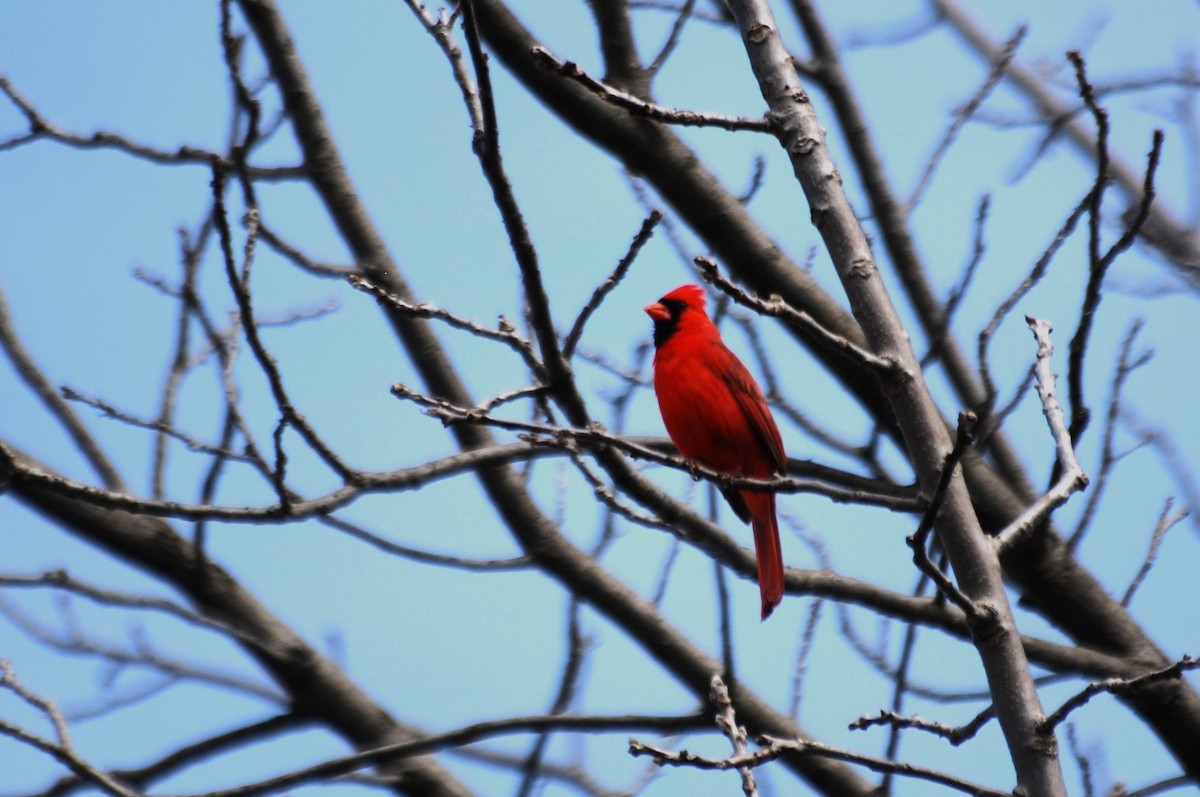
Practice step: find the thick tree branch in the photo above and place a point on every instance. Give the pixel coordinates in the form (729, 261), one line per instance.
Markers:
(1018, 707)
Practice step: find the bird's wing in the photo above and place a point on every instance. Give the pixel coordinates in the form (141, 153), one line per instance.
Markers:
(754, 409)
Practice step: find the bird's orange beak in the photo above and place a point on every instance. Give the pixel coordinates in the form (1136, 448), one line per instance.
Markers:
(656, 311)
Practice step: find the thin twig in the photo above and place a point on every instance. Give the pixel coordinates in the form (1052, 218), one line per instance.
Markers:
(596, 437)
(314, 267)
(644, 108)
(954, 300)
(1126, 365)
(190, 254)
(956, 735)
(966, 113)
(1166, 521)
(457, 738)
(441, 29)
(36, 381)
(1071, 476)
(41, 128)
(62, 750)
(606, 287)
(1100, 263)
(673, 38)
(726, 720)
(505, 332)
(62, 580)
(190, 754)
(918, 540)
(1080, 413)
(1035, 275)
(775, 306)
(1117, 686)
(775, 748)
(1173, 458)
(808, 634)
(425, 557)
(138, 651)
(578, 645)
(362, 483)
(289, 416)
(159, 425)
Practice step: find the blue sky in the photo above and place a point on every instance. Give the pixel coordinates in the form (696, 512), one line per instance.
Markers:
(441, 648)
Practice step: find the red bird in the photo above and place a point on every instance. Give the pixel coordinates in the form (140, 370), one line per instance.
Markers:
(717, 416)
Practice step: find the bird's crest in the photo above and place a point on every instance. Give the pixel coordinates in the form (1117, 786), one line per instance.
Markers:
(691, 295)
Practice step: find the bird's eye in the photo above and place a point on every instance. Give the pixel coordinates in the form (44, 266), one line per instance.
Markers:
(674, 306)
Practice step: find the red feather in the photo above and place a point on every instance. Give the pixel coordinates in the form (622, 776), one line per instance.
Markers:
(716, 415)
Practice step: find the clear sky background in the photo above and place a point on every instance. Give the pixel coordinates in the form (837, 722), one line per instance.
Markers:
(76, 224)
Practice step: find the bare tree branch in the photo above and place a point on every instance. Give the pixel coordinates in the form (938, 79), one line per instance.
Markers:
(1118, 686)
(637, 106)
(1071, 478)
(63, 749)
(802, 137)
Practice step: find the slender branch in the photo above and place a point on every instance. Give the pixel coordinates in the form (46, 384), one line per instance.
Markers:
(954, 735)
(1162, 230)
(901, 686)
(289, 416)
(36, 381)
(1126, 365)
(775, 306)
(597, 439)
(1166, 521)
(611, 499)
(467, 735)
(955, 299)
(62, 750)
(19, 468)
(1100, 263)
(644, 108)
(1160, 787)
(506, 333)
(726, 720)
(776, 748)
(578, 646)
(425, 557)
(190, 253)
(559, 376)
(685, 14)
(441, 29)
(808, 636)
(42, 128)
(1118, 686)
(965, 113)
(160, 425)
(1027, 284)
(314, 267)
(1173, 459)
(606, 287)
(140, 652)
(1071, 476)
(891, 218)
(62, 580)
(189, 754)
(918, 540)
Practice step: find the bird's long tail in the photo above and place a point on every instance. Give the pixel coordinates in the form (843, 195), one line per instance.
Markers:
(766, 549)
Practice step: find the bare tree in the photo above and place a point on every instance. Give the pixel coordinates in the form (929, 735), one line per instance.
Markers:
(521, 570)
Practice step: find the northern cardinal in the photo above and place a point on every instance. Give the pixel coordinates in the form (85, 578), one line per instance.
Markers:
(716, 415)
